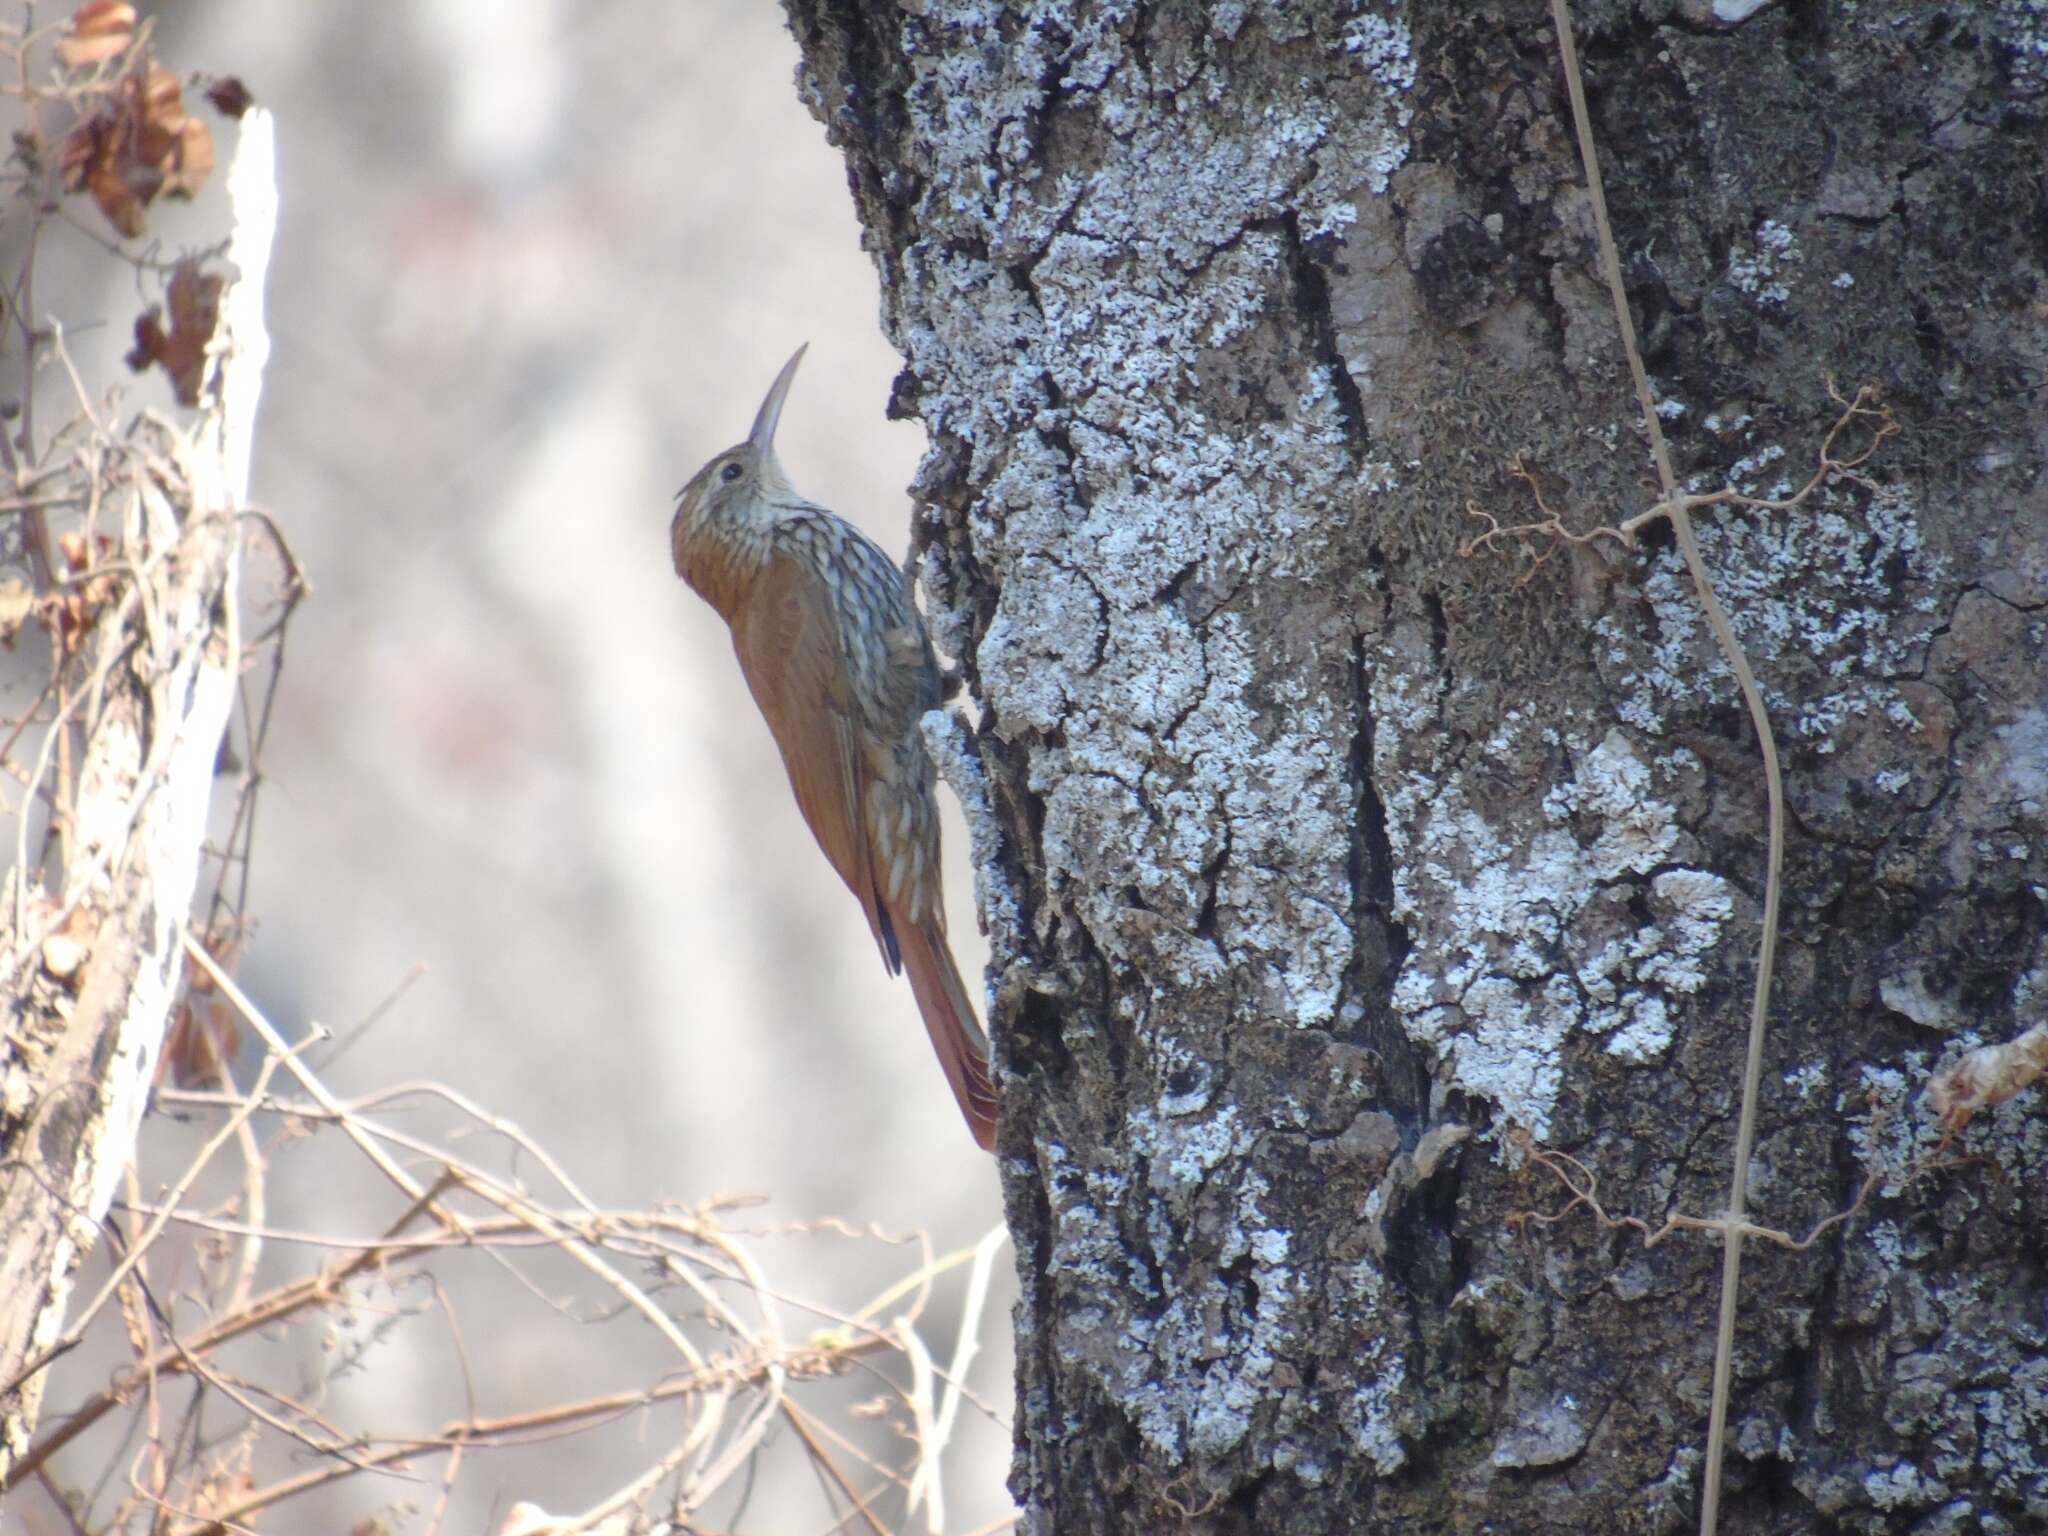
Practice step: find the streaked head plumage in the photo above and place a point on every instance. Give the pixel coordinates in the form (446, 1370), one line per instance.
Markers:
(739, 489)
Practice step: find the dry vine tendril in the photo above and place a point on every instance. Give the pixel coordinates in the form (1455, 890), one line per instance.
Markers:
(1541, 539)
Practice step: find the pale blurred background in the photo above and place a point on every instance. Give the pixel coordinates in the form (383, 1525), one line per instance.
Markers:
(537, 262)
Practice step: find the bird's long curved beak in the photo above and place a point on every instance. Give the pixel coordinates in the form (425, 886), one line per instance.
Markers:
(762, 438)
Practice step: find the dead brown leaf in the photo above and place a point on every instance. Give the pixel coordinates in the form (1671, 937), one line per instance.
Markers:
(229, 96)
(194, 300)
(1988, 1076)
(100, 30)
(140, 145)
(203, 1036)
(201, 1041)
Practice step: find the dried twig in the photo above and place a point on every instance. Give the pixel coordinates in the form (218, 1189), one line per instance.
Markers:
(729, 1395)
(1538, 540)
(140, 1245)
(127, 531)
(1584, 1188)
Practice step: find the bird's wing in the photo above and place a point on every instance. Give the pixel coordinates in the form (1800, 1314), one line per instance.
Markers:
(791, 654)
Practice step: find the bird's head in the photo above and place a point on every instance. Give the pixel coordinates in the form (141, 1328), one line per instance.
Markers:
(736, 496)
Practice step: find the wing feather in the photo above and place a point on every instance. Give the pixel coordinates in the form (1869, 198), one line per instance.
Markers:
(793, 659)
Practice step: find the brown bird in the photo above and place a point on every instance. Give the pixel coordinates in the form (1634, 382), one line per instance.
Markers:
(838, 660)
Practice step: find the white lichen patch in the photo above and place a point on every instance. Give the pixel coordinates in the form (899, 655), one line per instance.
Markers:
(1167, 778)
(946, 739)
(1168, 791)
(1085, 1240)
(1521, 931)
(2024, 742)
(2014, 1420)
(1181, 1153)
(1806, 1079)
(1902, 1485)
(2019, 29)
(1372, 1415)
(1843, 597)
(1096, 283)
(1893, 1128)
(1757, 266)
(1221, 1341)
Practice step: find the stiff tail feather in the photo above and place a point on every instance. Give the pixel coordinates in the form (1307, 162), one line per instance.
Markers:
(949, 1020)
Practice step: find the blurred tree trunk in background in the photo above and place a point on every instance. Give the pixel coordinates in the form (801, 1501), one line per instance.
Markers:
(127, 525)
(1321, 832)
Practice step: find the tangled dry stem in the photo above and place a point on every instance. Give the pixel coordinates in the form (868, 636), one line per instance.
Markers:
(1539, 540)
(120, 612)
(1583, 1186)
(735, 1368)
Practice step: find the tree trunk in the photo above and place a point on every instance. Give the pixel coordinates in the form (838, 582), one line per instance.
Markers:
(1324, 837)
(95, 956)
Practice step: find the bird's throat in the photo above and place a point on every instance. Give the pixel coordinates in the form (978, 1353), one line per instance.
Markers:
(720, 570)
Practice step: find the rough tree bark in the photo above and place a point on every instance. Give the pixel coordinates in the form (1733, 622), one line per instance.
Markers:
(1319, 834)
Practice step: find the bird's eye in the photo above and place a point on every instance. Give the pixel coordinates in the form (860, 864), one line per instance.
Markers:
(730, 473)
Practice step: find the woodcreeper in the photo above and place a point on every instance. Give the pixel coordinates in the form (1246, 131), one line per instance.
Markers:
(835, 652)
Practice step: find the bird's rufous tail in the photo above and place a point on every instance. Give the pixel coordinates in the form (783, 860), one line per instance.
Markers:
(949, 1019)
